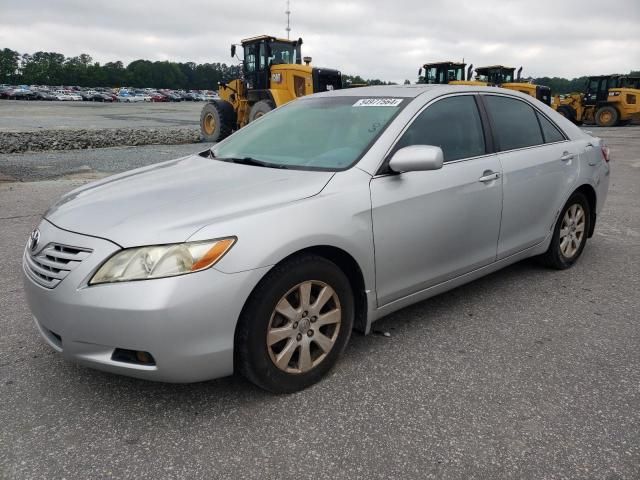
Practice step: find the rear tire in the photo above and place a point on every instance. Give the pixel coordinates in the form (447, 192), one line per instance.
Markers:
(260, 108)
(217, 121)
(607, 116)
(570, 233)
(295, 324)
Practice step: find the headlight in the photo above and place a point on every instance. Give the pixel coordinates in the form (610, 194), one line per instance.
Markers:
(160, 261)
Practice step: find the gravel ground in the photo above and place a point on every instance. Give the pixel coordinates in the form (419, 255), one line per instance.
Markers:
(22, 116)
(37, 126)
(525, 374)
(89, 164)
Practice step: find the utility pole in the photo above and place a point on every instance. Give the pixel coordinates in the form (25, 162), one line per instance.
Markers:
(288, 12)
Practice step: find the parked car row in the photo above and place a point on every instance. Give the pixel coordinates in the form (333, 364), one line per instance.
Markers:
(102, 94)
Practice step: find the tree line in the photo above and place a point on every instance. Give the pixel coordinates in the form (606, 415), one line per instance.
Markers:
(51, 68)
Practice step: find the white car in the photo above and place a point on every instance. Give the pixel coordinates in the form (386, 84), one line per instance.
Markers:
(62, 95)
(129, 98)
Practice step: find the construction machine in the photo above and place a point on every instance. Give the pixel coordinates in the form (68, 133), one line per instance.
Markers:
(443, 73)
(495, 75)
(273, 74)
(505, 77)
(607, 101)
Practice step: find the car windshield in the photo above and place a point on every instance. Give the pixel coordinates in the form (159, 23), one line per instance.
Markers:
(324, 133)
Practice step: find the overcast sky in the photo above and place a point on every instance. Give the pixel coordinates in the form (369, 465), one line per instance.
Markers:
(386, 39)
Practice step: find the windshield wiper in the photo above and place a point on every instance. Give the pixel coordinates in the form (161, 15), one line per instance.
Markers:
(251, 161)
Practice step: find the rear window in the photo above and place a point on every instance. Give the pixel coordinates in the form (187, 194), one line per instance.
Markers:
(549, 130)
(514, 123)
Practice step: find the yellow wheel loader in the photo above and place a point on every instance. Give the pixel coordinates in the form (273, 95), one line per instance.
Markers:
(505, 77)
(496, 75)
(608, 100)
(272, 75)
(443, 73)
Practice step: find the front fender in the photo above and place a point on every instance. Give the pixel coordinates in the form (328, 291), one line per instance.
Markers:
(339, 216)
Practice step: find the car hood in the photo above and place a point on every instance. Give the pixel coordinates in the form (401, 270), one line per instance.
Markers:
(168, 202)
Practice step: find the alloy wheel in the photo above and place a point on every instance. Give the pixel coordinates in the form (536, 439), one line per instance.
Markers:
(304, 327)
(572, 230)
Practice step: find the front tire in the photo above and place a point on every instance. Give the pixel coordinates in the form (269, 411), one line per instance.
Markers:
(570, 233)
(295, 325)
(217, 121)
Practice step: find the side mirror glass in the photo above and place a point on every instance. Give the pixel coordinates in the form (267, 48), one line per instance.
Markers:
(233, 51)
(417, 158)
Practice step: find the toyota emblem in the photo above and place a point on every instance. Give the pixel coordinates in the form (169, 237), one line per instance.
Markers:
(34, 239)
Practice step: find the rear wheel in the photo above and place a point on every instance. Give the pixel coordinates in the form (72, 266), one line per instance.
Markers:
(260, 108)
(570, 233)
(217, 121)
(607, 116)
(295, 325)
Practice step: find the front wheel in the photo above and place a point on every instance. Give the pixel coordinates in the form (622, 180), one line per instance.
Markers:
(570, 233)
(295, 325)
(217, 121)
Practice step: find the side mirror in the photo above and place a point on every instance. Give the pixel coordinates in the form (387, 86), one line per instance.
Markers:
(417, 158)
(420, 72)
(233, 51)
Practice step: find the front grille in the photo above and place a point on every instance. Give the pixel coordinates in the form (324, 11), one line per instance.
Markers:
(53, 263)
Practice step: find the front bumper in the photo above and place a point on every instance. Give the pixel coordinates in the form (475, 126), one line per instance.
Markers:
(186, 323)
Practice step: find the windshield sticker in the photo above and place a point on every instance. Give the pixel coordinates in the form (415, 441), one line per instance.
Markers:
(378, 102)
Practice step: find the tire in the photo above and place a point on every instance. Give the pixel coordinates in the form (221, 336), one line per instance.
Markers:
(260, 108)
(217, 121)
(607, 116)
(557, 256)
(294, 333)
(567, 112)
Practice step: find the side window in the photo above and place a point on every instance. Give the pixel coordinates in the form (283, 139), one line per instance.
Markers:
(452, 124)
(514, 122)
(549, 130)
(250, 58)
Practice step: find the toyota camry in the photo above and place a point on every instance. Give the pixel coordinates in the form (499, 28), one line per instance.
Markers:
(262, 254)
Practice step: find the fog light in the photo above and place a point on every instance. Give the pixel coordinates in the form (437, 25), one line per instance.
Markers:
(137, 357)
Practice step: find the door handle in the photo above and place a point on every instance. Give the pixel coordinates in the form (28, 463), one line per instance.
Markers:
(566, 156)
(489, 177)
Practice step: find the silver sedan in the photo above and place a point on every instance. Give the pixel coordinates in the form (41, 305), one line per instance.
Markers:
(261, 255)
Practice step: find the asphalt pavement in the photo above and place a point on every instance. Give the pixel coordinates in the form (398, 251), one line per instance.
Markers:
(528, 373)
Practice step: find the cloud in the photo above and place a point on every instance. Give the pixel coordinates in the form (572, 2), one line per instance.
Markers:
(373, 38)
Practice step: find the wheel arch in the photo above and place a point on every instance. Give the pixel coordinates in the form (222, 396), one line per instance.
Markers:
(349, 266)
(590, 193)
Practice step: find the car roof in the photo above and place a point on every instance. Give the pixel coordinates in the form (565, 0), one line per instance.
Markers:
(413, 91)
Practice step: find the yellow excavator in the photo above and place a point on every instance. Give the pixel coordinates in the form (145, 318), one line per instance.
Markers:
(273, 74)
(608, 100)
(495, 75)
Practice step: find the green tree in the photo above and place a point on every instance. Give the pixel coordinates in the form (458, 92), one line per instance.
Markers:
(9, 64)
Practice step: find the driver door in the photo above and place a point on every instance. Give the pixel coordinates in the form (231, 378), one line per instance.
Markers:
(432, 226)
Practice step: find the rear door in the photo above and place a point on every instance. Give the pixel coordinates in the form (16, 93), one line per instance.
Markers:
(539, 165)
(432, 226)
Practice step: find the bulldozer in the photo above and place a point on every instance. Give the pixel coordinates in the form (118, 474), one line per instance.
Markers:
(495, 75)
(607, 101)
(273, 74)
